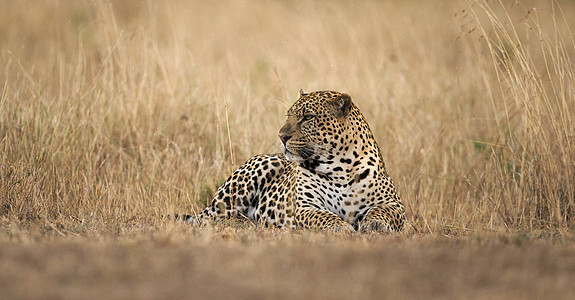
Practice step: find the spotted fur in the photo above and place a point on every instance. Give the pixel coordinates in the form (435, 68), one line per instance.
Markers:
(331, 174)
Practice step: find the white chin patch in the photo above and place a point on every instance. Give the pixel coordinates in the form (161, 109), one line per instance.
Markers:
(290, 156)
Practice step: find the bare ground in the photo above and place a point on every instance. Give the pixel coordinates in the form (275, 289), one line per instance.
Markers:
(240, 263)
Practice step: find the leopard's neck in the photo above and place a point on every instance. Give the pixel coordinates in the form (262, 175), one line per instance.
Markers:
(350, 164)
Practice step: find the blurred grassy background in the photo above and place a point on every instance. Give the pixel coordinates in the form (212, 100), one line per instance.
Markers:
(115, 112)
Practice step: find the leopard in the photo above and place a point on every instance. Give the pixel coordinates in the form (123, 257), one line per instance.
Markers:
(330, 175)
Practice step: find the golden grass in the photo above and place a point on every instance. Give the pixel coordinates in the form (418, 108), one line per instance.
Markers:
(119, 113)
(114, 115)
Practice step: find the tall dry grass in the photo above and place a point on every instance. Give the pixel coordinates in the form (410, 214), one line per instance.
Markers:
(118, 113)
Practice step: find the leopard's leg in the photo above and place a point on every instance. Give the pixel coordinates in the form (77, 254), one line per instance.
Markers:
(311, 218)
(231, 200)
(227, 202)
(387, 217)
(239, 196)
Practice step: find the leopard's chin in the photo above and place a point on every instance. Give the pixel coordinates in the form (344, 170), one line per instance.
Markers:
(290, 156)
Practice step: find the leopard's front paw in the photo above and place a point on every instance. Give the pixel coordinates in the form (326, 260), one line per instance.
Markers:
(343, 227)
(375, 225)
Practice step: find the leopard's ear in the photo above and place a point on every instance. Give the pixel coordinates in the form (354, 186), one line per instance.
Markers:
(343, 104)
(301, 93)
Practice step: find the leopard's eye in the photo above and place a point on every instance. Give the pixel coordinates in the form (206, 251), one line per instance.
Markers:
(306, 118)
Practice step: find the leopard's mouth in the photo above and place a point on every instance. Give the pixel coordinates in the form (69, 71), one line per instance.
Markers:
(298, 155)
(289, 155)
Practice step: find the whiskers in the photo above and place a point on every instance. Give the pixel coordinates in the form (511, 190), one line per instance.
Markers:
(306, 150)
(321, 150)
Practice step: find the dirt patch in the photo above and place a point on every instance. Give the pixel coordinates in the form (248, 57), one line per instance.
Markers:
(248, 264)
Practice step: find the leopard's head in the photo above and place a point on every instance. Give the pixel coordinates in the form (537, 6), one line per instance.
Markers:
(315, 126)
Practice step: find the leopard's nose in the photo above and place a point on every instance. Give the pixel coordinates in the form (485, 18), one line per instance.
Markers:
(284, 138)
